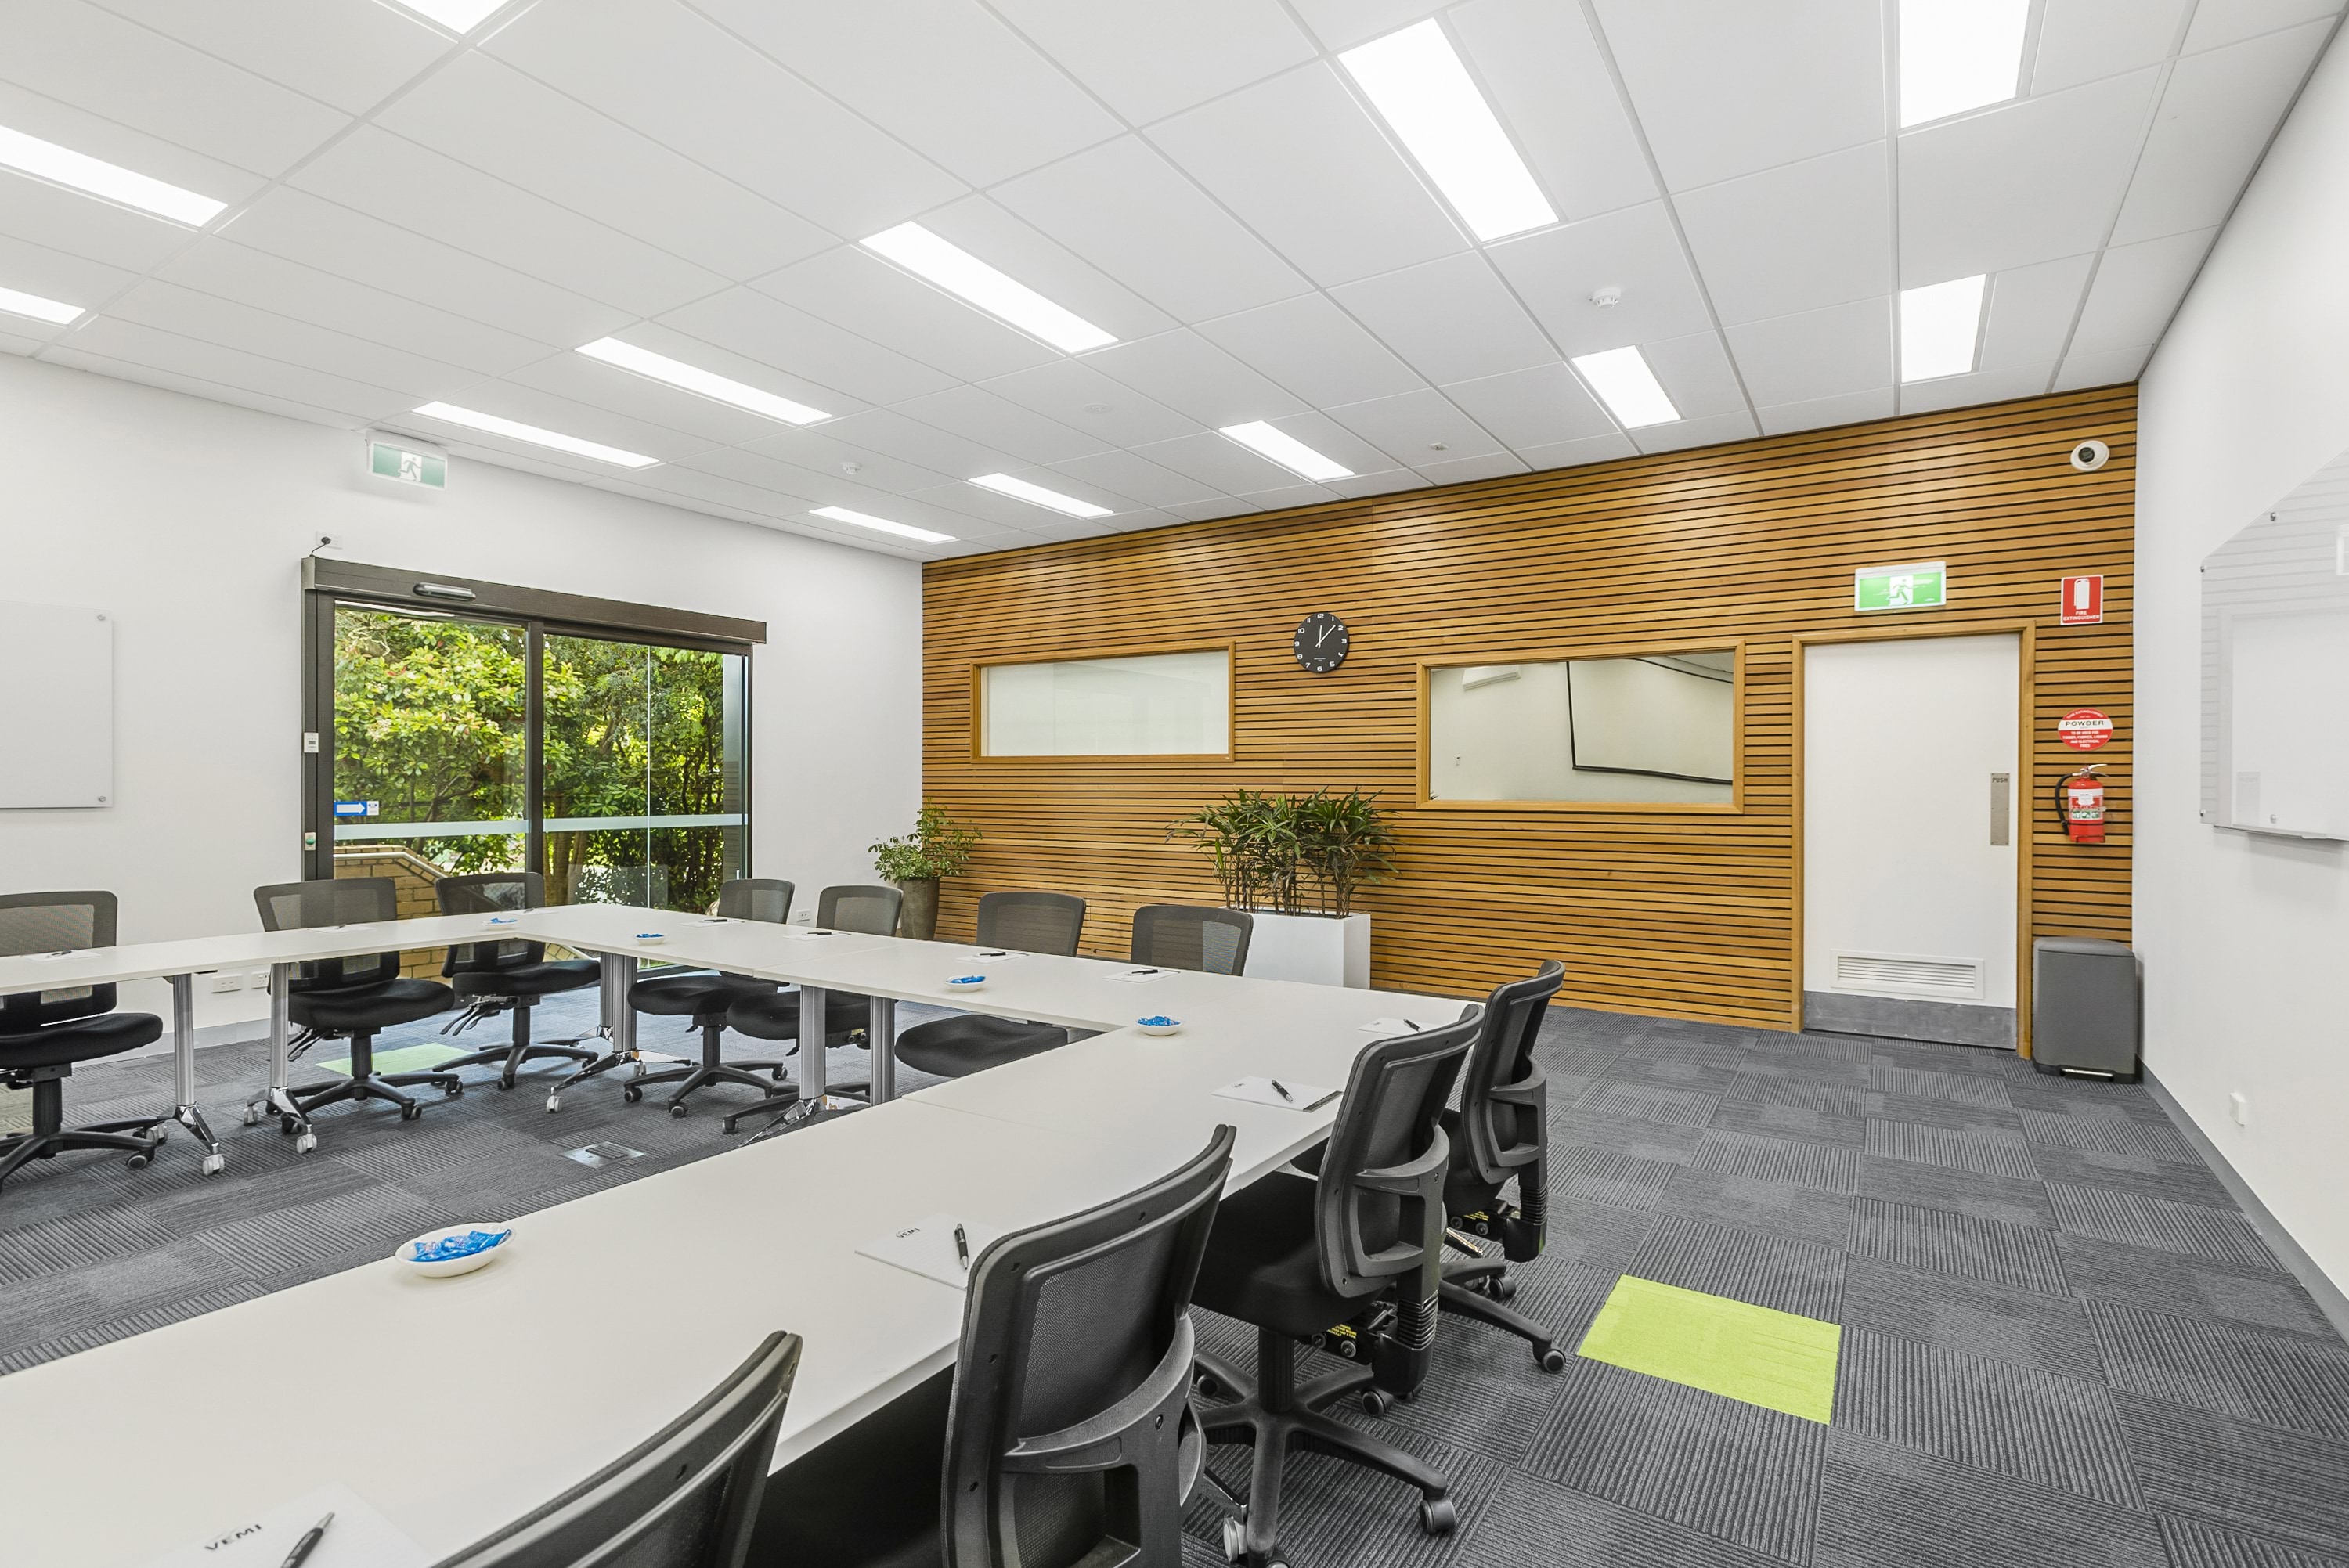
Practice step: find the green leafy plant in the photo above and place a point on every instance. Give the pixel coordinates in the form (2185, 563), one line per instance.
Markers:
(1293, 854)
(938, 847)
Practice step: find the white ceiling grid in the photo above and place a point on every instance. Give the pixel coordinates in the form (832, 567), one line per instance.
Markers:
(416, 216)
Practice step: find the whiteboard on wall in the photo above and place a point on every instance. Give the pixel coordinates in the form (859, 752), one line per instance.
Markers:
(56, 707)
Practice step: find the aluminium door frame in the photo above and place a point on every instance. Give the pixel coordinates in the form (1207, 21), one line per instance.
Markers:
(2025, 794)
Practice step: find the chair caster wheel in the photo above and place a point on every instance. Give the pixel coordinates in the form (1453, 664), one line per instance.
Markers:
(286, 1124)
(631, 1093)
(1503, 1288)
(505, 1083)
(452, 1089)
(252, 1116)
(214, 1164)
(306, 1142)
(1551, 1360)
(638, 1069)
(553, 1103)
(1235, 1541)
(411, 1112)
(161, 1135)
(1375, 1402)
(1205, 1387)
(680, 1108)
(139, 1161)
(1439, 1516)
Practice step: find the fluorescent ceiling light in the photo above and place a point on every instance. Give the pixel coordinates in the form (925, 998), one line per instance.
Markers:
(1957, 55)
(692, 379)
(1285, 449)
(1633, 394)
(39, 309)
(515, 430)
(457, 15)
(1938, 325)
(1418, 83)
(960, 273)
(1037, 495)
(96, 176)
(862, 519)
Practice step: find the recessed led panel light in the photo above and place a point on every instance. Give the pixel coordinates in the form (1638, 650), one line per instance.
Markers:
(457, 15)
(515, 430)
(1630, 389)
(1939, 327)
(96, 176)
(692, 379)
(18, 304)
(1037, 495)
(1286, 449)
(1957, 55)
(966, 277)
(862, 519)
(1418, 83)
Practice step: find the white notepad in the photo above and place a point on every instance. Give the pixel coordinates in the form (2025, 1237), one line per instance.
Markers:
(1259, 1091)
(1390, 1026)
(1142, 976)
(359, 1537)
(926, 1247)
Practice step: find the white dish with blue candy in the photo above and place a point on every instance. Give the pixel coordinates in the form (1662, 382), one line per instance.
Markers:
(1158, 1024)
(962, 982)
(459, 1249)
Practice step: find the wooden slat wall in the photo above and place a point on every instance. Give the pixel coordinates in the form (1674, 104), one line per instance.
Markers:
(1686, 915)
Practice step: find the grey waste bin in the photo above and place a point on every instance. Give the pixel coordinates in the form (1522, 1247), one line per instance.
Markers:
(2084, 1007)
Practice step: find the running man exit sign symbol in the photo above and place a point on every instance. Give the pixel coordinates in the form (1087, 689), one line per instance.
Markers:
(1920, 585)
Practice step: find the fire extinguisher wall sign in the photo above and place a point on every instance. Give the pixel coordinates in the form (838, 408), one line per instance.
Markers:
(2080, 802)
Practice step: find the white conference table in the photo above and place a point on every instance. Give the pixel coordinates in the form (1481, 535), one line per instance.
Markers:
(617, 1310)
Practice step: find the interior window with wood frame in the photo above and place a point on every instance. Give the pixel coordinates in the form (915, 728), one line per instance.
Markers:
(1162, 703)
(1652, 728)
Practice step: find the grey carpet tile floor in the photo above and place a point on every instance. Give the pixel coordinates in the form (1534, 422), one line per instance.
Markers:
(2062, 1344)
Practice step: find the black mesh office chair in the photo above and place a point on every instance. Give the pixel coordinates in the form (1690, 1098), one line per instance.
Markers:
(351, 999)
(1070, 1438)
(701, 997)
(44, 1033)
(1187, 937)
(687, 1497)
(514, 975)
(775, 1015)
(1019, 922)
(1500, 1134)
(1294, 1257)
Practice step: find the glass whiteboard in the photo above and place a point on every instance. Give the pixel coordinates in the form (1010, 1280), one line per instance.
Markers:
(1143, 704)
(2275, 668)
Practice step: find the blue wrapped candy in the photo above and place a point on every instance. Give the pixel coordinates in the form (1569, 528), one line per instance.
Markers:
(966, 980)
(464, 1247)
(1155, 1021)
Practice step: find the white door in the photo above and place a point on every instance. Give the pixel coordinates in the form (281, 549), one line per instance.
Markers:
(1911, 815)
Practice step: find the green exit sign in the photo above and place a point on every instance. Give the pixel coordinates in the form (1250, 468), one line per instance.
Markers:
(407, 465)
(1920, 585)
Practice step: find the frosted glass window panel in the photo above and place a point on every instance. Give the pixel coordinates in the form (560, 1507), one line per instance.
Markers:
(1655, 729)
(57, 708)
(1144, 705)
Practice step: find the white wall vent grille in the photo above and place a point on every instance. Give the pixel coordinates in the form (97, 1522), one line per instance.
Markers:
(1892, 975)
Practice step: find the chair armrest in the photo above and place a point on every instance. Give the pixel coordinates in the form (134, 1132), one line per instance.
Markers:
(1099, 1442)
(1415, 1179)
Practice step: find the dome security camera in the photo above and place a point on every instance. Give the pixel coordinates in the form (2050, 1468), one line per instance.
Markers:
(2089, 456)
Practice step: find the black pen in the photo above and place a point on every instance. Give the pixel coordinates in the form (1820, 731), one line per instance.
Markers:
(308, 1543)
(1281, 1090)
(1142, 971)
(962, 1249)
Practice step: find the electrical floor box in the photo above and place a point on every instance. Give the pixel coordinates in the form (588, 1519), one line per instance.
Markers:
(2085, 1005)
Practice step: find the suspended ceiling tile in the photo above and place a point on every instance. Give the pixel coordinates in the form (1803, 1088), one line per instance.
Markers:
(1696, 372)
(1300, 161)
(510, 398)
(1314, 349)
(1556, 271)
(1148, 61)
(1406, 427)
(992, 509)
(1341, 444)
(1124, 508)
(2221, 22)
(1342, 24)
(339, 398)
(1574, 454)
(373, 170)
(746, 116)
(2214, 122)
(1128, 210)
(1197, 379)
(1209, 511)
(822, 448)
(896, 435)
(1131, 474)
(2084, 40)
(953, 81)
(2137, 289)
(493, 118)
(1462, 470)
(977, 415)
(1013, 247)
(1393, 481)
(247, 328)
(2032, 310)
(1450, 319)
(1711, 430)
(10, 343)
(1282, 496)
(1982, 193)
(149, 375)
(2106, 368)
(1843, 409)
(749, 369)
(1728, 90)
(347, 243)
(60, 276)
(597, 384)
(1794, 238)
(858, 292)
(55, 219)
(157, 156)
(1844, 348)
(763, 329)
(1979, 386)
(1080, 396)
(1539, 407)
(1218, 461)
(1549, 83)
(349, 53)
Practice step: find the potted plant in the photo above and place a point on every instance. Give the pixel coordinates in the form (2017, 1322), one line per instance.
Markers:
(1295, 862)
(938, 847)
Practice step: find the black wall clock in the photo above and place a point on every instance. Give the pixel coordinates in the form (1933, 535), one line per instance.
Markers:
(1321, 643)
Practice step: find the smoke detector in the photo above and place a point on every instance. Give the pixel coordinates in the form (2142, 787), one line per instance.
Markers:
(852, 468)
(1607, 297)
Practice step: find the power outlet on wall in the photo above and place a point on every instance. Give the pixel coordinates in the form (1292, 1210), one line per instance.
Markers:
(2238, 1109)
(229, 981)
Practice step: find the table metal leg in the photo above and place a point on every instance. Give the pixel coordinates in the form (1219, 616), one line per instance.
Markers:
(279, 1099)
(184, 1072)
(619, 1025)
(881, 1033)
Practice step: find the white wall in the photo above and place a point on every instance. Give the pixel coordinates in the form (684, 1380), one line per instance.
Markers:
(2243, 936)
(187, 520)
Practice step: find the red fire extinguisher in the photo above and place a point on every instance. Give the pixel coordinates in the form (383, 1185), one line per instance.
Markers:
(2080, 804)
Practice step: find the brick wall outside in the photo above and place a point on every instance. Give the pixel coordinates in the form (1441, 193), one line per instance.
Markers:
(415, 877)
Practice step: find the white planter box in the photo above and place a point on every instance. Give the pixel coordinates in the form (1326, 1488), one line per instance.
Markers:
(1319, 949)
